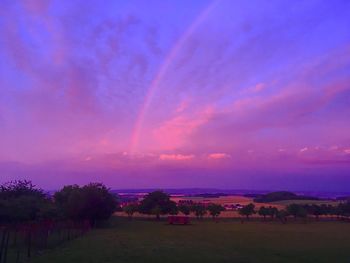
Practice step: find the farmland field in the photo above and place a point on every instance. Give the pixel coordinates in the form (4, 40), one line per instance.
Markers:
(306, 202)
(206, 241)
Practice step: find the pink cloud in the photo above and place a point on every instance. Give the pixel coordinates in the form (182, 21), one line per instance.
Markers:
(219, 156)
(176, 157)
(174, 133)
(303, 149)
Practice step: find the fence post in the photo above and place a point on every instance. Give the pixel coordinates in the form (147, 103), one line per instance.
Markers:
(6, 246)
(29, 243)
(2, 244)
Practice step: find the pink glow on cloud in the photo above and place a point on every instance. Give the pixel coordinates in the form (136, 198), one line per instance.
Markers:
(174, 133)
(219, 156)
(176, 157)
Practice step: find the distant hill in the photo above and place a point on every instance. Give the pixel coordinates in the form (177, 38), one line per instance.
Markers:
(280, 196)
(210, 195)
(214, 191)
(343, 198)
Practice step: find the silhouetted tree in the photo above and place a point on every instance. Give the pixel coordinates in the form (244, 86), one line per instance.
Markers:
(272, 212)
(199, 210)
(314, 210)
(157, 203)
(174, 210)
(247, 211)
(130, 209)
(282, 216)
(185, 209)
(297, 210)
(344, 209)
(21, 201)
(264, 212)
(93, 202)
(215, 210)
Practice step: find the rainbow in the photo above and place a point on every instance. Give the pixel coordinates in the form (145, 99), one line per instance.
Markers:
(161, 72)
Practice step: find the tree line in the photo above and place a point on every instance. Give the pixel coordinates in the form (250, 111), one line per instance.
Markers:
(158, 203)
(21, 201)
(32, 220)
(298, 211)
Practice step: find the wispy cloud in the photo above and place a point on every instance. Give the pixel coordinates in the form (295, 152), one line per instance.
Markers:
(219, 156)
(176, 157)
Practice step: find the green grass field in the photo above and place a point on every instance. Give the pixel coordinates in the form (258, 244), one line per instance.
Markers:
(227, 241)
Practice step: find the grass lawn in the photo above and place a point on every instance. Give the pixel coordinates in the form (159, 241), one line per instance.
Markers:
(227, 241)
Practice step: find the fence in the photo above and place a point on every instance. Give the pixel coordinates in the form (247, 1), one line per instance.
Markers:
(19, 242)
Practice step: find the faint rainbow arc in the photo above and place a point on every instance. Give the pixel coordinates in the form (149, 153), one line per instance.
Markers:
(162, 70)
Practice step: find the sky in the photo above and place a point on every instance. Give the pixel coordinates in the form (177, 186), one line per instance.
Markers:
(143, 94)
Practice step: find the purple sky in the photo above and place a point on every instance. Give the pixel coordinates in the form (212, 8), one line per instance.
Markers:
(226, 94)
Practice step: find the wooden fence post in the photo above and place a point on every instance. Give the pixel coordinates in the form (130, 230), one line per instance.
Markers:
(2, 244)
(29, 239)
(6, 246)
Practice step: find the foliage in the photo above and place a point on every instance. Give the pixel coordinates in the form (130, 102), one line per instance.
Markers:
(263, 211)
(93, 202)
(344, 209)
(199, 210)
(157, 203)
(130, 209)
(247, 210)
(185, 209)
(174, 210)
(215, 210)
(282, 195)
(282, 216)
(297, 210)
(21, 201)
(19, 188)
(272, 212)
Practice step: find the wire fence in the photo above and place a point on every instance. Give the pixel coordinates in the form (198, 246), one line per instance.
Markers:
(20, 242)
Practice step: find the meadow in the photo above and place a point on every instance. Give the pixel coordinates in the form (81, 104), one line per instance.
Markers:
(206, 241)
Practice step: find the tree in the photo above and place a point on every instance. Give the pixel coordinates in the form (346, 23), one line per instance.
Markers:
(297, 210)
(263, 211)
(314, 210)
(215, 210)
(174, 210)
(19, 188)
(157, 203)
(293, 209)
(272, 212)
(185, 209)
(93, 202)
(344, 209)
(130, 209)
(21, 201)
(70, 201)
(282, 216)
(199, 210)
(282, 195)
(100, 203)
(247, 210)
